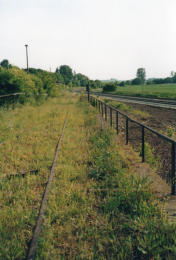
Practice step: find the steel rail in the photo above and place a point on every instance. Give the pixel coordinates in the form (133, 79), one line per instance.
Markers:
(33, 245)
(156, 100)
(164, 103)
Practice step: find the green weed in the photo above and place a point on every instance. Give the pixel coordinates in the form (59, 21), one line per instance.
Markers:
(96, 209)
(135, 227)
(170, 131)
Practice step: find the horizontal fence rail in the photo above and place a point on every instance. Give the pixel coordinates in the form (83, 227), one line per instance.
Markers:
(12, 99)
(107, 113)
(20, 93)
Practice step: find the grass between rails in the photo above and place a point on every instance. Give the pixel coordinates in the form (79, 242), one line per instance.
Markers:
(152, 91)
(96, 208)
(28, 139)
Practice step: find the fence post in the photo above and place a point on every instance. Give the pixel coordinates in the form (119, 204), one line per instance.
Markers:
(13, 103)
(102, 109)
(111, 116)
(173, 169)
(7, 102)
(88, 94)
(117, 122)
(143, 145)
(105, 112)
(126, 130)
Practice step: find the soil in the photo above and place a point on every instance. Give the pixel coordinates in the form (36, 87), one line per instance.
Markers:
(160, 118)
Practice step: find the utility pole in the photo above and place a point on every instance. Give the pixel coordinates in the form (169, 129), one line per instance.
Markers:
(27, 56)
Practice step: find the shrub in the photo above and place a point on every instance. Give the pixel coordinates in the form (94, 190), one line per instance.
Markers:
(136, 81)
(109, 87)
(33, 85)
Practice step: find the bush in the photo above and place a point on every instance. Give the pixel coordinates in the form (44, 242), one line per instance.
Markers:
(33, 85)
(122, 84)
(136, 81)
(109, 87)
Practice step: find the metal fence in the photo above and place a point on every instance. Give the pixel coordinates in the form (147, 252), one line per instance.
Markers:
(11, 99)
(141, 135)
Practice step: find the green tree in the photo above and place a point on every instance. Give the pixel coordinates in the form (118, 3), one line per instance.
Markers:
(66, 72)
(122, 84)
(80, 80)
(136, 81)
(5, 64)
(108, 87)
(141, 74)
(98, 83)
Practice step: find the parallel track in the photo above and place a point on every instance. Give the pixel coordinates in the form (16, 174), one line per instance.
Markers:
(155, 102)
(164, 103)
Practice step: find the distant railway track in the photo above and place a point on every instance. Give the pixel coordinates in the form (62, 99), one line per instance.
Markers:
(156, 102)
(164, 103)
(33, 244)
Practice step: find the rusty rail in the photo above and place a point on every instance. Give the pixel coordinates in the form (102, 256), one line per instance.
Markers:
(33, 245)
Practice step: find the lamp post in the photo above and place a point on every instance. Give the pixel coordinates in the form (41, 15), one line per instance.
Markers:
(27, 56)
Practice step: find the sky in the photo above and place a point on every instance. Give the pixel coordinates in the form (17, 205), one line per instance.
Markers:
(102, 39)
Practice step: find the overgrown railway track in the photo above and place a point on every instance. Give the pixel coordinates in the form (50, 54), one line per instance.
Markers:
(33, 244)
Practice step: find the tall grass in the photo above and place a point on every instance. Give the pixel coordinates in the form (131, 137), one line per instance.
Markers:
(96, 208)
(135, 227)
(28, 137)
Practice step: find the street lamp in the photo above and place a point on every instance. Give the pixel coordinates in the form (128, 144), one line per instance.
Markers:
(27, 56)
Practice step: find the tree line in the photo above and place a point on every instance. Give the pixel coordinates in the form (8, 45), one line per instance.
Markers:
(36, 82)
(140, 79)
(65, 75)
